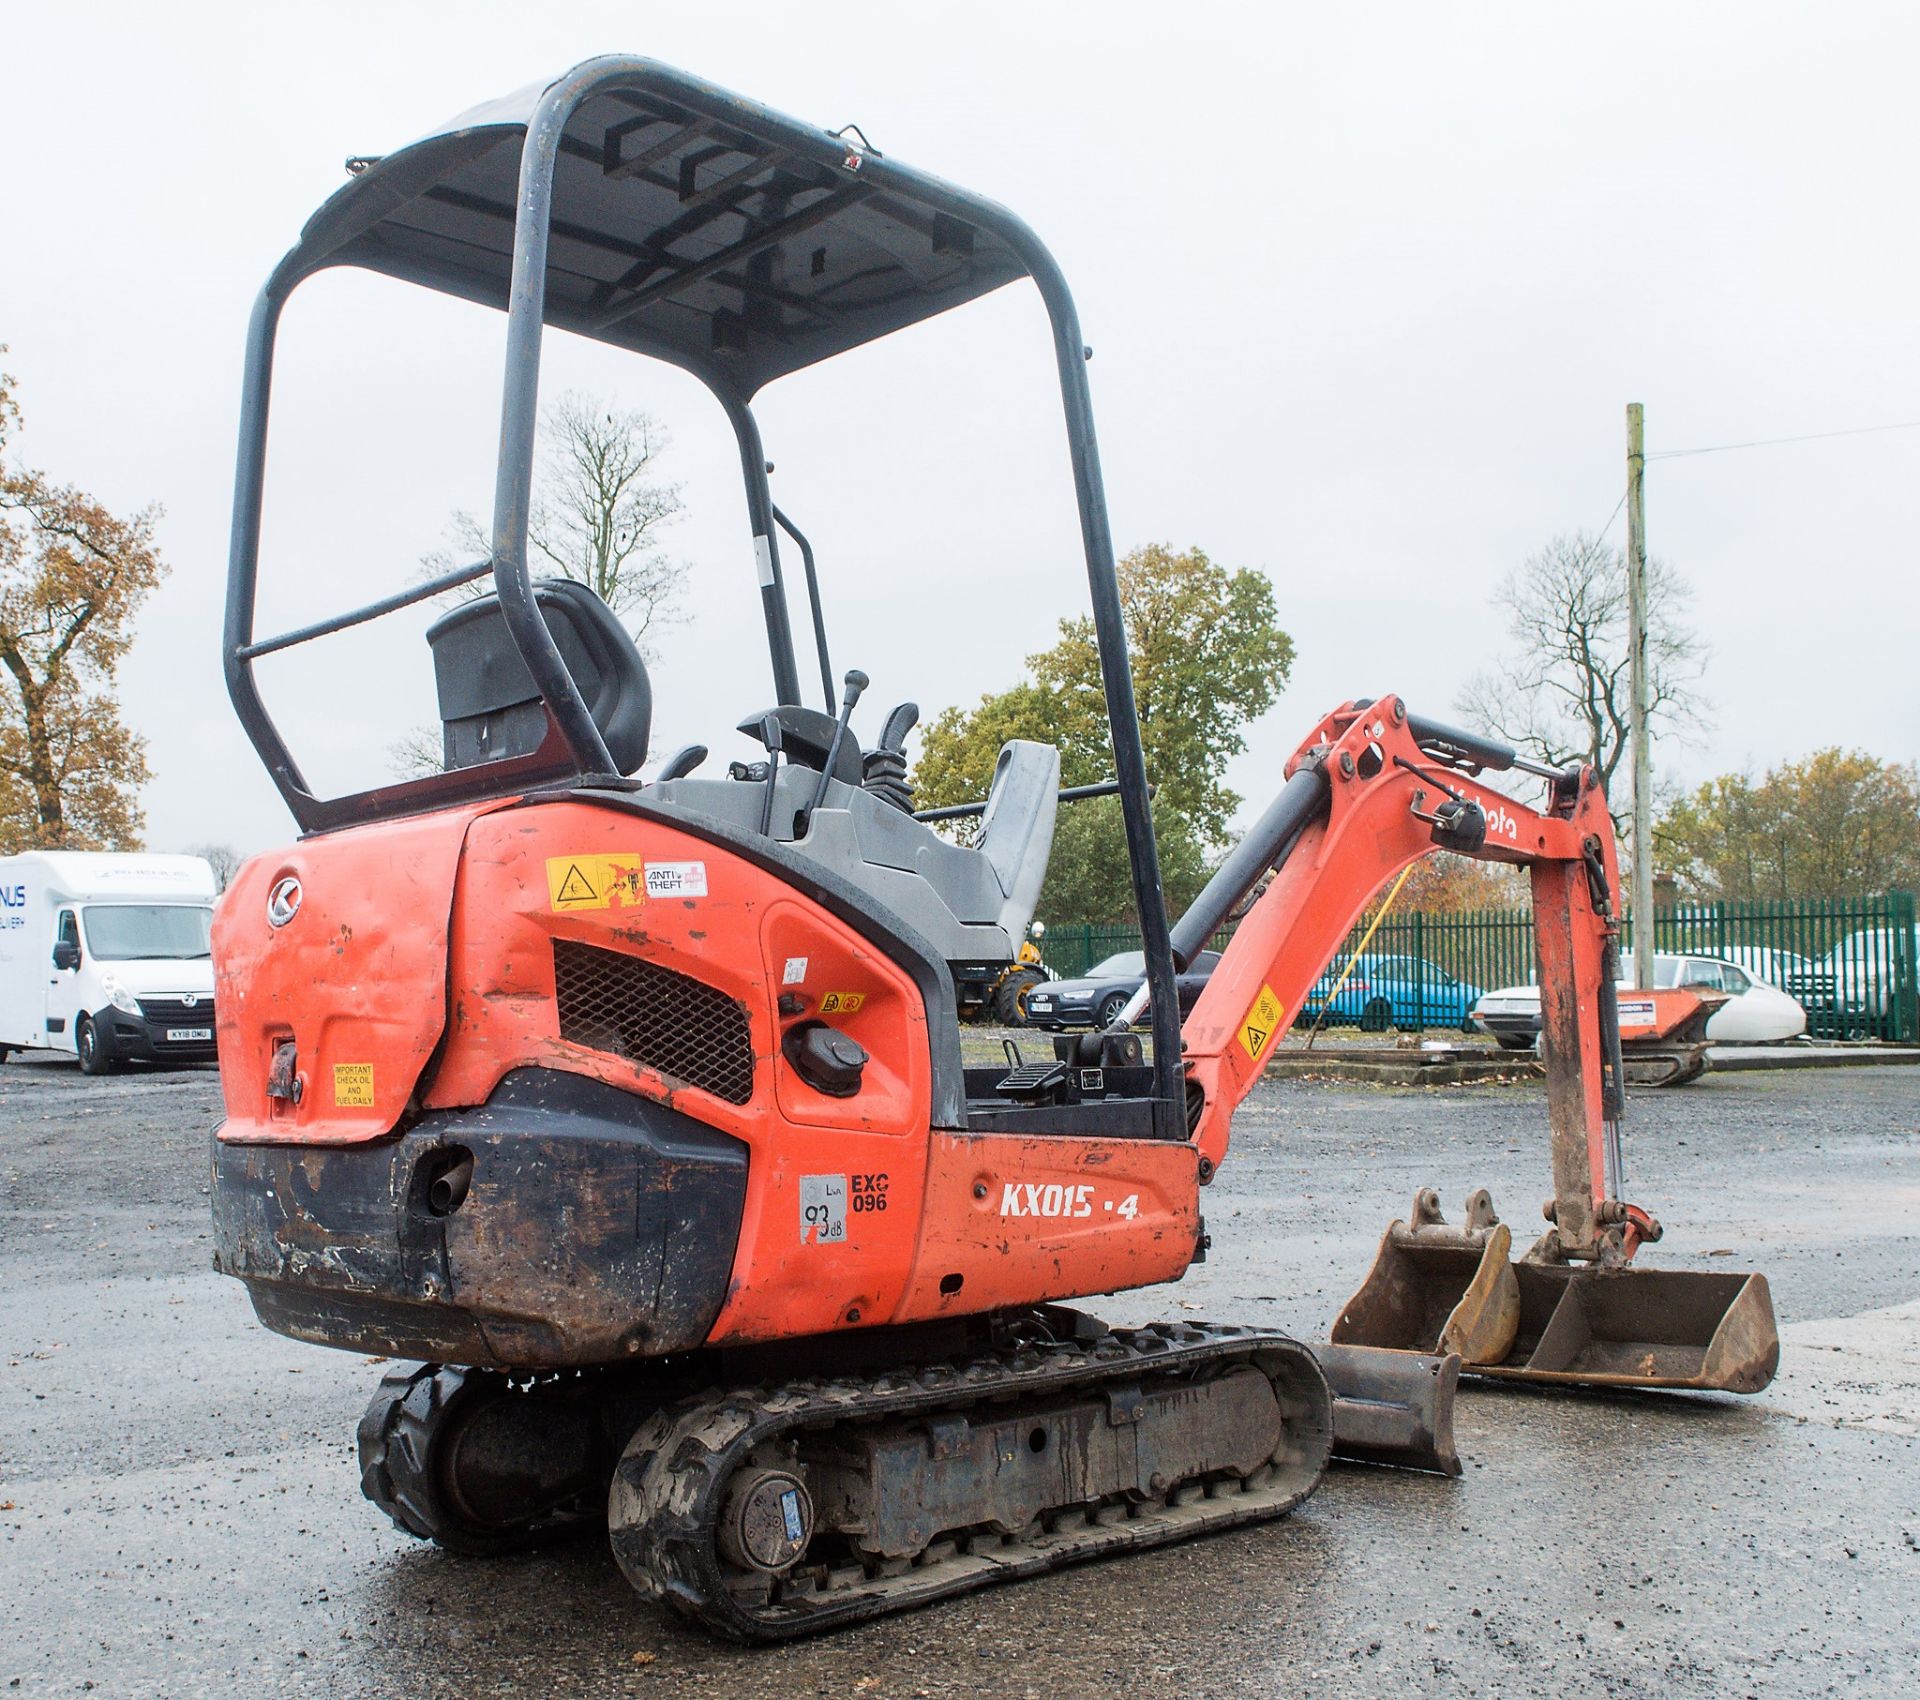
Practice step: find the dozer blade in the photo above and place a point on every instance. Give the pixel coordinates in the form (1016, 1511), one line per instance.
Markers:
(1434, 1288)
(1630, 1327)
(1392, 1407)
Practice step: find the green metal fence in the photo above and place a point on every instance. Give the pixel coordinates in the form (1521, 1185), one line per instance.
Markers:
(1070, 949)
(1854, 963)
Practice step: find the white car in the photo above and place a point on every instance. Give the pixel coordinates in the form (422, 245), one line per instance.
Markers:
(1778, 968)
(1755, 1013)
(1860, 974)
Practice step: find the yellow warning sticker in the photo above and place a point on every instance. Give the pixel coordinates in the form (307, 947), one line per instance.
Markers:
(1261, 1022)
(841, 1003)
(353, 1086)
(595, 882)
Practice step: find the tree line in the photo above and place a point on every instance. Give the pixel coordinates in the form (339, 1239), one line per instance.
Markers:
(1207, 652)
(1208, 656)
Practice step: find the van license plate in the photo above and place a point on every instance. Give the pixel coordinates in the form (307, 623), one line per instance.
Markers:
(188, 1035)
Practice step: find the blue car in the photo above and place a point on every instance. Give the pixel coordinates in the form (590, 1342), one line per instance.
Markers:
(1391, 991)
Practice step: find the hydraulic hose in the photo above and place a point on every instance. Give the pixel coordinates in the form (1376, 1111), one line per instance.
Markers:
(1301, 800)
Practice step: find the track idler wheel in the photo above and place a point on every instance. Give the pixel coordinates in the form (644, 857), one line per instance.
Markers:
(469, 1461)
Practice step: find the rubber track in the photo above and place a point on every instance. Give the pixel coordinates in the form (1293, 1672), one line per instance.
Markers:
(393, 1443)
(1675, 1066)
(397, 1441)
(668, 1490)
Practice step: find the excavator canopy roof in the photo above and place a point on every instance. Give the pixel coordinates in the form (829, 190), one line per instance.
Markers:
(688, 224)
(646, 208)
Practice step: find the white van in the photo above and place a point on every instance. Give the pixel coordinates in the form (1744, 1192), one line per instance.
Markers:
(106, 956)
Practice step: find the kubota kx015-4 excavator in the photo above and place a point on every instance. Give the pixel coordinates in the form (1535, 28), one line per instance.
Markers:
(636, 1113)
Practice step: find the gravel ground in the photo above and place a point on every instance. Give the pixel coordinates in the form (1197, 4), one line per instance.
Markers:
(179, 1509)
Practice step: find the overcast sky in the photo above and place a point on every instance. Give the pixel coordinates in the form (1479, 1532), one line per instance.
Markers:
(1368, 288)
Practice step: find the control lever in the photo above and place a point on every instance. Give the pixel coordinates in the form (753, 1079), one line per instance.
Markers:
(682, 762)
(893, 736)
(857, 682)
(883, 769)
(770, 736)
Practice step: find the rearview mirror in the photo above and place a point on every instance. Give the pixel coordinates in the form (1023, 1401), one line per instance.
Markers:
(66, 954)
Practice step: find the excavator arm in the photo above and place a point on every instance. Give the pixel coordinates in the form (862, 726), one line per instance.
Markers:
(1391, 790)
(1371, 790)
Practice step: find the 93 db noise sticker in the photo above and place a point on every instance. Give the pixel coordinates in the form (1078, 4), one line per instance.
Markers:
(823, 1209)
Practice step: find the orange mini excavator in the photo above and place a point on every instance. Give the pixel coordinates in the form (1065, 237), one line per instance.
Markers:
(634, 1114)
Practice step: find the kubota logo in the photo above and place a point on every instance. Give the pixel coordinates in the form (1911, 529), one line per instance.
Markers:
(283, 902)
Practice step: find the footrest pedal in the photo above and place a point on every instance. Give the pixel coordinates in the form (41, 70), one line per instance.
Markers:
(1032, 1080)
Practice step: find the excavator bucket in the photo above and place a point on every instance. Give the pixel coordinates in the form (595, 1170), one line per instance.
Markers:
(1630, 1327)
(1436, 1288)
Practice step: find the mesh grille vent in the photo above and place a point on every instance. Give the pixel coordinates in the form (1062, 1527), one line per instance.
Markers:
(652, 1016)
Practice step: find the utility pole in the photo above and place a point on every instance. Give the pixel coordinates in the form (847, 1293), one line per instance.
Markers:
(1641, 685)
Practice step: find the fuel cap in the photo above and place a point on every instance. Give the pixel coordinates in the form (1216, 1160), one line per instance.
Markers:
(825, 1058)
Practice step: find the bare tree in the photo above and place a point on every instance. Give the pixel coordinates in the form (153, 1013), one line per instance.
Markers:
(599, 507)
(1562, 694)
(222, 858)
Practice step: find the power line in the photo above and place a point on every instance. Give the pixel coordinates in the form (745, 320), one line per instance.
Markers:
(1774, 442)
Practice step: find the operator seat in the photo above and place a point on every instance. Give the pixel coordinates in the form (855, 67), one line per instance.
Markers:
(490, 707)
(1016, 832)
(972, 902)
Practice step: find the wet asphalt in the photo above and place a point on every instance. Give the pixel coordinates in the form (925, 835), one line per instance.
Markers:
(180, 1512)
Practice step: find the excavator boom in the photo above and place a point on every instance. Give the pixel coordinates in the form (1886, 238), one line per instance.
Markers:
(1370, 791)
